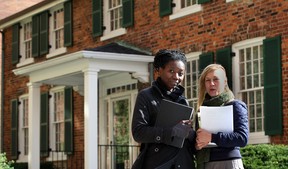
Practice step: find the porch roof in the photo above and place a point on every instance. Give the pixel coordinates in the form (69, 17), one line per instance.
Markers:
(120, 47)
(106, 60)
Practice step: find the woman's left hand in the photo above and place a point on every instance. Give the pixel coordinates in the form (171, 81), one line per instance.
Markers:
(203, 137)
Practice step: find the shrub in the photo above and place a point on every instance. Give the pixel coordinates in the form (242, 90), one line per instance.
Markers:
(4, 164)
(265, 156)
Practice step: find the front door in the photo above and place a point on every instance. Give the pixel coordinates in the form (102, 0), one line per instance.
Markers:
(117, 149)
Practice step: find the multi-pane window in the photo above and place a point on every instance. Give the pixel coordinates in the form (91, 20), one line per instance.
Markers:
(59, 120)
(115, 10)
(25, 124)
(184, 8)
(186, 3)
(58, 29)
(251, 85)
(191, 81)
(27, 39)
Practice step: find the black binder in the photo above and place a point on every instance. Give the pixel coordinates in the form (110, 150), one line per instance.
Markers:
(171, 113)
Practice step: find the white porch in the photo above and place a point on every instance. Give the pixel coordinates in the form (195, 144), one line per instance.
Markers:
(81, 70)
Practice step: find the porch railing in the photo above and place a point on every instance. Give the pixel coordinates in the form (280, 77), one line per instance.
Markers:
(109, 157)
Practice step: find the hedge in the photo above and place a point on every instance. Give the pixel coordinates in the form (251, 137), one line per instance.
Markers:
(265, 156)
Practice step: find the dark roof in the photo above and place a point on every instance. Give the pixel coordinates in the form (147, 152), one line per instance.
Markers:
(119, 48)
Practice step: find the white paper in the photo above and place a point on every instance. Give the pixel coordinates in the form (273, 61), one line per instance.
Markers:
(217, 119)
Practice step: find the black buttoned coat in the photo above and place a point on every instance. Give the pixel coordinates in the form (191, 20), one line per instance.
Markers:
(144, 131)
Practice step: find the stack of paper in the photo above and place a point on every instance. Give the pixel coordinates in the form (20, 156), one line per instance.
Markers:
(216, 119)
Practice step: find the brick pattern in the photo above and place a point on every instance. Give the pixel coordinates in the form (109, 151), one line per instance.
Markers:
(219, 25)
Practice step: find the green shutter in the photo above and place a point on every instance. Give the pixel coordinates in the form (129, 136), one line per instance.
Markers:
(97, 28)
(68, 96)
(128, 13)
(44, 33)
(15, 44)
(35, 36)
(203, 1)
(165, 7)
(44, 125)
(272, 86)
(68, 38)
(223, 57)
(14, 129)
(204, 60)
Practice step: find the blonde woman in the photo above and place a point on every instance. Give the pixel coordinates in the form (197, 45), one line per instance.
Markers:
(214, 91)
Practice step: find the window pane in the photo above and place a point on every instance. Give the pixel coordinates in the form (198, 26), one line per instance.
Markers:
(248, 68)
(249, 82)
(244, 97)
(121, 129)
(259, 125)
(59, 120)
(251, 111)
(242, 69)
(248, 54)
(241, 56)
(27, 40)
(188, 92)
(256, 80)
(59, 28)
(259, 110)
(242, 83)
(188, 67)
(251, 97)
(26, 141)
(188, 80)
(25, 129)
(258, 96)
(255, 53)
(252, 126)
(255, 66)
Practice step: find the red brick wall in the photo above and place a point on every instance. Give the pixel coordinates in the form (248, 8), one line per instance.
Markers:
(219, 25)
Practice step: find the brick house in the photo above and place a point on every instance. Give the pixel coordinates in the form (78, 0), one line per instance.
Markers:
(72, 70)
(7, 8)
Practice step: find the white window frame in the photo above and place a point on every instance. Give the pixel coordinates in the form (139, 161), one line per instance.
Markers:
(53, 51)
(52, 128)
(22, 157)
(194, 56)
(179, 12)
(23, 61)
(257, 137)
(107, 33)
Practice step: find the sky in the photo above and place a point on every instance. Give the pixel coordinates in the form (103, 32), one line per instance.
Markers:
(9, 7)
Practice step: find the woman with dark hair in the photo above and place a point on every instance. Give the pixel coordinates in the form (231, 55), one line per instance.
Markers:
(156, 153)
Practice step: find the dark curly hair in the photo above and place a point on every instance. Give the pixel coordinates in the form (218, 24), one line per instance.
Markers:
(164, 56)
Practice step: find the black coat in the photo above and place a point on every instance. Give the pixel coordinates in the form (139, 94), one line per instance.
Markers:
(143, 130)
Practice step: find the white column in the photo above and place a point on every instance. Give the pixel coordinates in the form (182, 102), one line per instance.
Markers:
(34, 126)
(91, 118)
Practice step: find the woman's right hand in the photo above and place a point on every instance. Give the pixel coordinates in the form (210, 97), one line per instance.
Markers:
(203, 137)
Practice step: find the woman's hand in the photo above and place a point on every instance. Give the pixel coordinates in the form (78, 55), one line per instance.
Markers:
(203, 137)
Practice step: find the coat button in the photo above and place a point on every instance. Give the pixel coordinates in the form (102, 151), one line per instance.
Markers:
(158, 138)
(156, 150)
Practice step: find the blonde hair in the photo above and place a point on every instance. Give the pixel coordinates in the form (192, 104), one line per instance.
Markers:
(202, 89)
